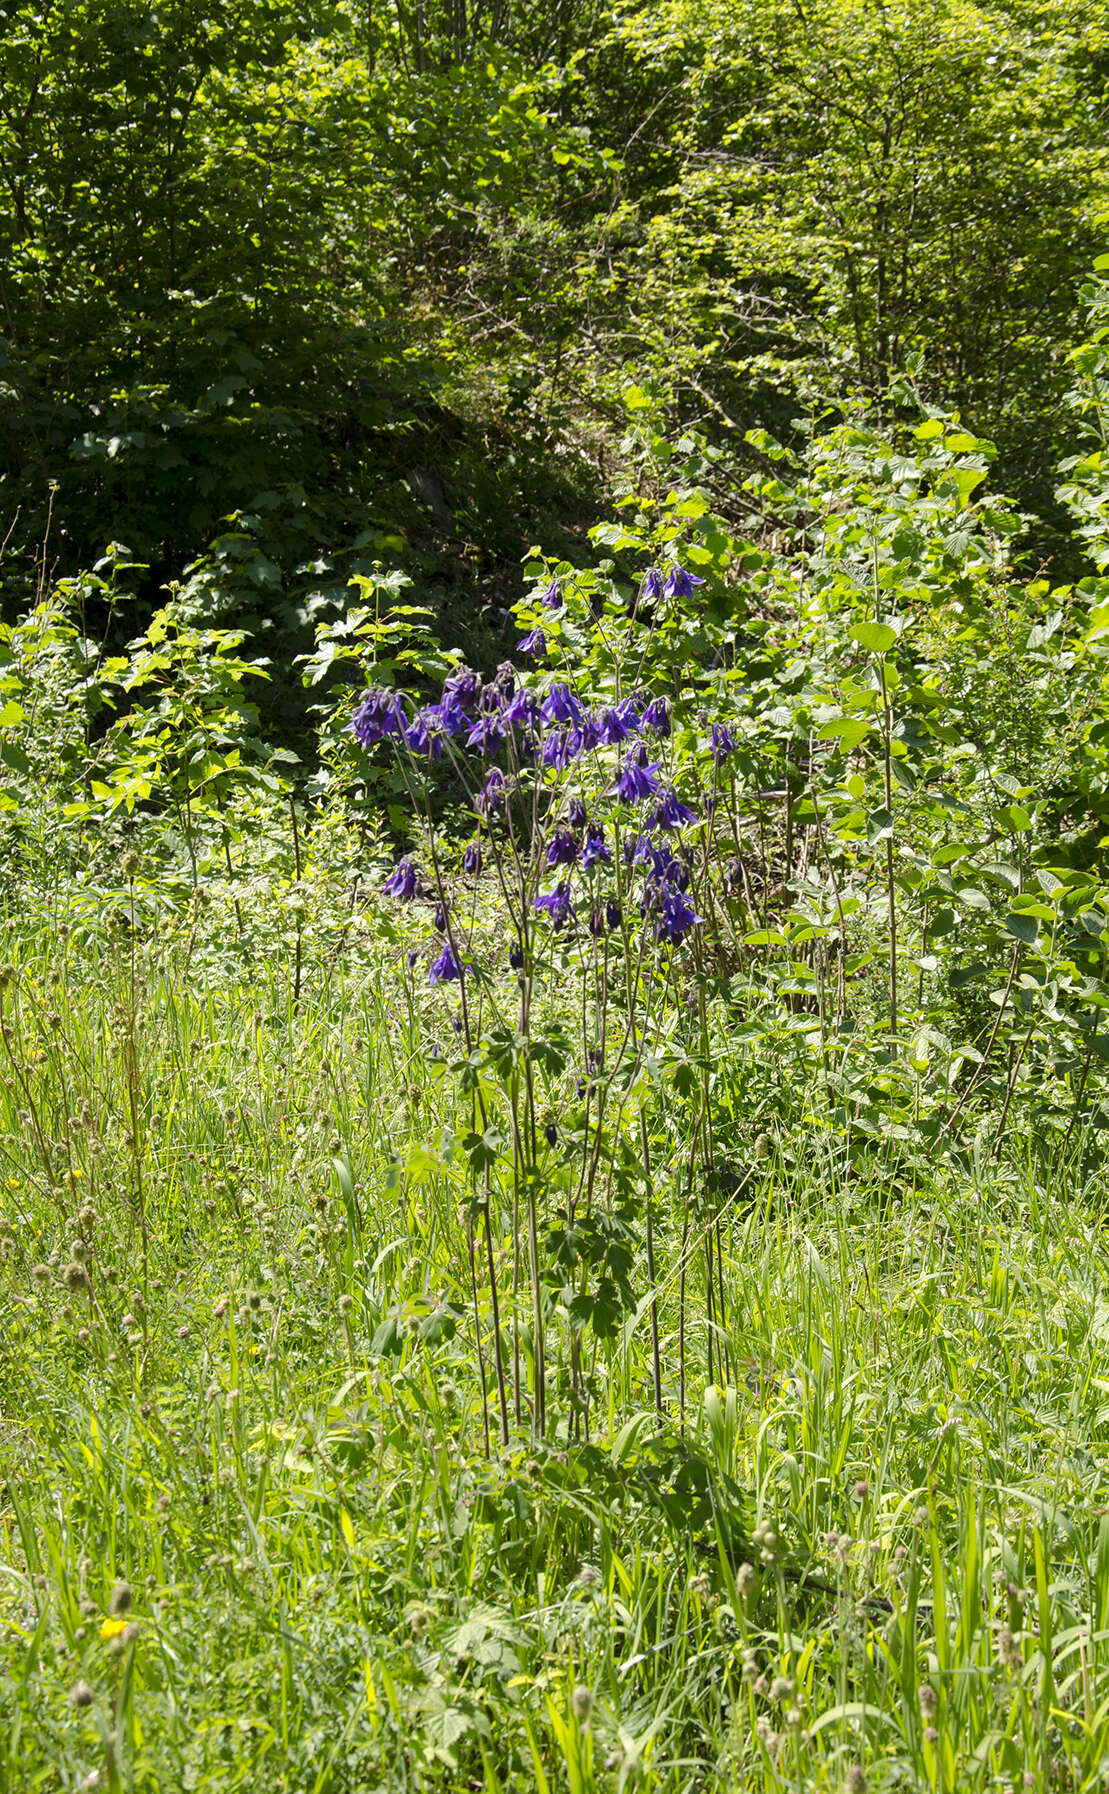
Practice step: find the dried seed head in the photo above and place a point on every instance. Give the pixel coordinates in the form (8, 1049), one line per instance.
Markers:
(581, 1703)
(81, 1694)
(926, 1695)
(129, 864)
(75, 1276)
(855, 1780)
(119, 1601)
(40, 1273)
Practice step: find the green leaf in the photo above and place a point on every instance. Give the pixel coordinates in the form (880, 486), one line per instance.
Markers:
(876, 638)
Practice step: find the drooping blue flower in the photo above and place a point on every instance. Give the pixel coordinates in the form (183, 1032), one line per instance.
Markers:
(516, 956)
(724, 743)
(423, 733)
(671, 814)
(446, 967)
(486, 734)
(614, 730)
(380, 714)
(558, 749)
(492, 795)
(557, 904)
(680, 583)
(591, 732)
(614, 915)
(562, 848)
(656, 717)
(666, 870)
(552, 597)
(637, 780)
(440, 916)
(522, 711)
(535, 642)
(675, 917)
(596, 850)
(453, 714)
(471, 859)
(561, 706)
(463, 687)
(652, 585)
(403, 881)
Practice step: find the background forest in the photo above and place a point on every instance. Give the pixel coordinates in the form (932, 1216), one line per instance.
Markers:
(554, 903)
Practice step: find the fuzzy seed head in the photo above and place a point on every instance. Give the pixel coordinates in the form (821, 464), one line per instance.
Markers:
(120, 1599)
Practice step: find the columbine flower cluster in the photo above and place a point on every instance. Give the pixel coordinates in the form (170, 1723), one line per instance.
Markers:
(518, 751)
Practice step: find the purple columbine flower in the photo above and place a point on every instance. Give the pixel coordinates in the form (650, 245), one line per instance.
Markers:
(680, 583)
(652, 585)
(423, 732)
(535, 642)
(561, 706)
(558, 749)
(403, 881)
(672, 814)
(656, 717)
(471, 859)
(492, 795)
(613, 728)
(378, 715)
(614, 915)
(453, 714)
(575, 815)
(562, 848)
(596, 850)
(591, 732)
(486, 734)
(446, 967)
(552, 597)
(522, 711)
(557, 904)
(723, 742)
(675, 918)
(596, 922)
(462, 687)
(637, 780)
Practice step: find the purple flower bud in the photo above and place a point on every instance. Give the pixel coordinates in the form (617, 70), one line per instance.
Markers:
(471, 859)
(403, 881)
(575, 815)
(550, 1134)
(412, 956)
(656, 717)
(614, 915)
(724, 743)
(446, 967)
(440, 916)
(557, 904)
(552, 597)
(680, 583)
(380, 714)
(562, 848)
(516, 956)
(492, 795)
(558, 749)
(652, 585)
(535, 642)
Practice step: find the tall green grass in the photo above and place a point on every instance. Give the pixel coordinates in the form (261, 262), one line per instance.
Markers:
(253, 1531)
